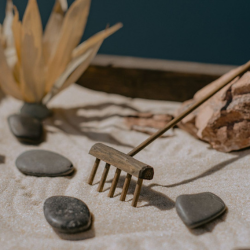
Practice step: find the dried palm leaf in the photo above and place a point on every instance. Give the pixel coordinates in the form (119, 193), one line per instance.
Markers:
(32, 82)
(1, 35)
(7, 81)
(17, 33)
(36, 65)
(7, 32)
(53, 29)
(100, 36)
(71, 33)
(73, 72)
(82, 66)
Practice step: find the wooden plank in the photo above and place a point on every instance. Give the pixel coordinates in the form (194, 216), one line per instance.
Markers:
(161, 65)
(122, 161)
(150, 78)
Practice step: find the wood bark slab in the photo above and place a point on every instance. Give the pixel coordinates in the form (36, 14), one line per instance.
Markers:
(224, 120)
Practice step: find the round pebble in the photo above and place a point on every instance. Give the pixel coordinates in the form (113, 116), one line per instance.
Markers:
(43, 163)
(26, 129)
(67, 214)
(198, 209)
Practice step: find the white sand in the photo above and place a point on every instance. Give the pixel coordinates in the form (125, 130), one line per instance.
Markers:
(183, 165)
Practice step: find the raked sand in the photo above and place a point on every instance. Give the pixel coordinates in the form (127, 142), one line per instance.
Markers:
(183, 165)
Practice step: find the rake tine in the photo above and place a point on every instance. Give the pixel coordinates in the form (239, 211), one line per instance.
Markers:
(104, 177)
(114, 183)
(93, 172)
(137, 192)
(125, 187)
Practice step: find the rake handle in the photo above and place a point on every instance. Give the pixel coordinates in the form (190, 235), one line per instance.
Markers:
(224, 81)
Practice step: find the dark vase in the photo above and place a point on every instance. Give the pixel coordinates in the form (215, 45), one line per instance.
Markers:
(36, 110)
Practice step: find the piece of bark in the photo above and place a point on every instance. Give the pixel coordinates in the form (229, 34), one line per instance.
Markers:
(224, 120)
(147, 122)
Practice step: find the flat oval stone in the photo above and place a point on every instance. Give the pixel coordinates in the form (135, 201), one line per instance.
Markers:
(36, 110)
(198, 209)
(43, 163)
(67, 214)
(26, 129)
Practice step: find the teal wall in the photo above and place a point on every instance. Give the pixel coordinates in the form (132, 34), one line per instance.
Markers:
(212, 31)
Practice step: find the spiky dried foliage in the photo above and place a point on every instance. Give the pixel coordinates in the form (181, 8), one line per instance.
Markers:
(35, 64)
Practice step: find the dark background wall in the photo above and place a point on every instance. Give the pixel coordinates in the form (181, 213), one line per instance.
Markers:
(212, 31)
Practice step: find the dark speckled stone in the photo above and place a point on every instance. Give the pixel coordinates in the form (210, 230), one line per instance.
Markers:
(67, 214)
(198, 209)
(26, 129)
(36, 110)
(43, 163)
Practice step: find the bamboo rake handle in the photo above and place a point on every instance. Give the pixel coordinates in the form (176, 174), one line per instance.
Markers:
(224, 81)
(238, 71)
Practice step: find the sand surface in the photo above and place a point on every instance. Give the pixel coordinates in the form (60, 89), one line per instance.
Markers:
(183, 165)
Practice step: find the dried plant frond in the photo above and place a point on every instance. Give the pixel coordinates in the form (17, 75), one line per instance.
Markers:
(7, 39)
(53, 29)
(71, 33)
(81, 58)
(100, 36)
(31, 54)
(7, 81)
(73, 71)
(64, 5)
(36, 65)
(17, 33)
(7, 32)
(82, 65)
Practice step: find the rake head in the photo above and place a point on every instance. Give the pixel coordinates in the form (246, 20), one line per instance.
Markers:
(124, 163)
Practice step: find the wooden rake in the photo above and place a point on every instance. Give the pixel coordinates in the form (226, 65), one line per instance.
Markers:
(126, 162)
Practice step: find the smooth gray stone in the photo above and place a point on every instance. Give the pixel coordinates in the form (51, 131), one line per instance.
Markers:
(198, 209)
(36, 110)
(67, 214)
(43, 163)
(26, 129)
